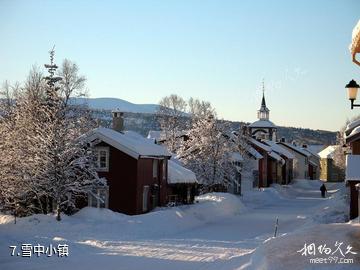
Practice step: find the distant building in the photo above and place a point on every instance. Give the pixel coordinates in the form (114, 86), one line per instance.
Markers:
(270, 165)
(301, 166)
(263, 128)
(314, 162)
(287, 167)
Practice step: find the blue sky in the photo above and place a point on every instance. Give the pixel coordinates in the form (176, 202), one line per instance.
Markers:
(218, 51)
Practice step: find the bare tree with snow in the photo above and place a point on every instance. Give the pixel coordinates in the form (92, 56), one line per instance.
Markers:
(208, 151)
(171, 116)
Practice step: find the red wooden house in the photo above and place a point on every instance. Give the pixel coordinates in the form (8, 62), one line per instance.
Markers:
(287, 166)
(269, 166)
(136, 171)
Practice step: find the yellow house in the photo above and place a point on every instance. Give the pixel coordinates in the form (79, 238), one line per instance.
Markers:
(329, 172)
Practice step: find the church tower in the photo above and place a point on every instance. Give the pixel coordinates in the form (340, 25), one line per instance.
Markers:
(263, 128)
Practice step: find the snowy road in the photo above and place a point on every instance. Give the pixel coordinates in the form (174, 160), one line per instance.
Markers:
(186, 239)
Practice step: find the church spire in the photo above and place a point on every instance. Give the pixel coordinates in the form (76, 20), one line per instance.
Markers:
(263, 113)
(263, 103)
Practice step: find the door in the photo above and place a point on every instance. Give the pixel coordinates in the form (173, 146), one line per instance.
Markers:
(311, 172)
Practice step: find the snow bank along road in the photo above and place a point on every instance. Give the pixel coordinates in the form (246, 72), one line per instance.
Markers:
(221, 231)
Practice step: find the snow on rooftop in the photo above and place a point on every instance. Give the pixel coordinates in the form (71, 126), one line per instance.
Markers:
(262, 123)
(351, 126)
(160, 135)
(254, 153)
(315, 148)
(260, 145)
(355, 42)
(296, 149)
(236, 156)
(134, 135)
(352, 171)
(268, 149)
(154, 134)
(279, 149)
(328, 152)
(354, 132)
(129, 142)
(179, 174)
(276, 157)
(313, 163)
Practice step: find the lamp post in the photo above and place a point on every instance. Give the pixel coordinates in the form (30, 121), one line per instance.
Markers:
(352, 88)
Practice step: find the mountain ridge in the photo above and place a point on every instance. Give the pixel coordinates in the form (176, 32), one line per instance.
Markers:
(107, 103)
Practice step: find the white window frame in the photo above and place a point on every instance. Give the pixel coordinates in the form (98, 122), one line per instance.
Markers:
(97, 153)
(145, 196)
(155, 168)
(95, 195)
(164, 169)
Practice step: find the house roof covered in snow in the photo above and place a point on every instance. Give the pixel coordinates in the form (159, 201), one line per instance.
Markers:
(352, 129)
(260, 145)
(295, 148)
(315, 155)
(178, 174)
(262, 124)
(313, 163)
(268, 149)
(352, 168)
(253, 152)
(129, 142)
(276, 157)
(353, 133)
(279, 149)
(315, 148)
(328, 152)
(156, 135)
(355, 42)
(236, 156)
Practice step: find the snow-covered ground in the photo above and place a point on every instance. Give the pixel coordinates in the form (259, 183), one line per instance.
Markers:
(221, 231)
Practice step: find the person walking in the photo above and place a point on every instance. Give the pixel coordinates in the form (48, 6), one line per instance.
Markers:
(323, 190)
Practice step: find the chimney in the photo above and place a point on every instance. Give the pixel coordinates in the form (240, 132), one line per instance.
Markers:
(283, 139)
(118, 120)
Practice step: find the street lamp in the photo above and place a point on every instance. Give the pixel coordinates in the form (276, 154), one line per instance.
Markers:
(353, 88)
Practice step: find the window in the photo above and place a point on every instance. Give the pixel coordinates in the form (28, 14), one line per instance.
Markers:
(102, 158)
(155, 168)
(99, 197)
(164, 169)
(145, 198)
